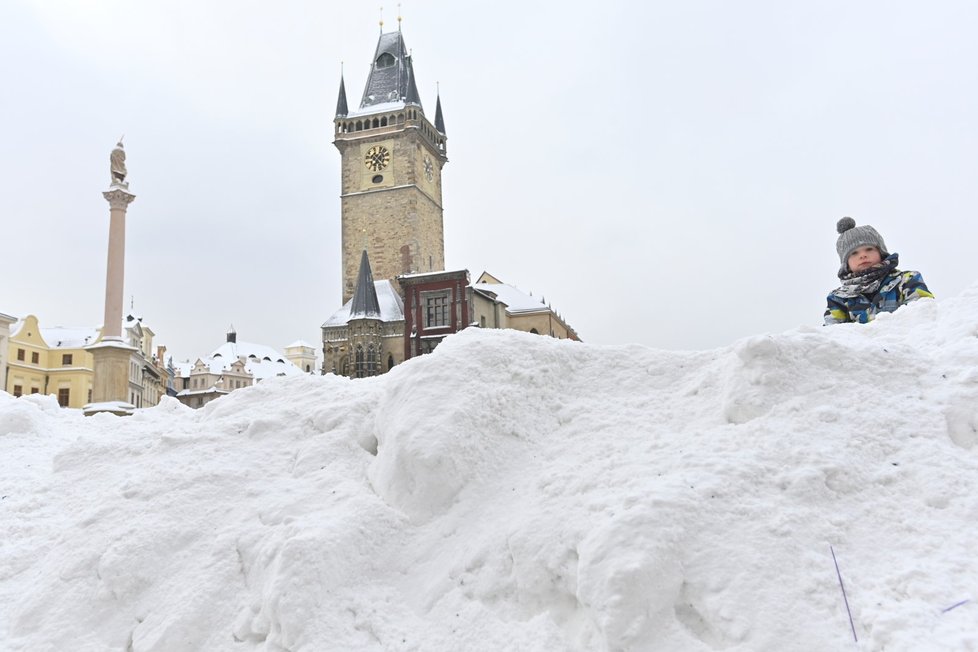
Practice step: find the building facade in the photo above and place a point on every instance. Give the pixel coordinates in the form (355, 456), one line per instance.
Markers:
(5, 322)
(303, 355)
(498, 305)
(436, 304)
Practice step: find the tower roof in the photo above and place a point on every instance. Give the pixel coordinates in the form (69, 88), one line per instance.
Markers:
(391, 74)
(341, 109)
(365, 302)
(439, 119)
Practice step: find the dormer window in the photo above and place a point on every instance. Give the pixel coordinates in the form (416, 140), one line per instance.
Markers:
(386, 60)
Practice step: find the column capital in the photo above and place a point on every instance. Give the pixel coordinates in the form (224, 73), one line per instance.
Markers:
(118, 197)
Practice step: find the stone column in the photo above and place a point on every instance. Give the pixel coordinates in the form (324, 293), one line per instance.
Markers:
(119, 199)
(110, 355)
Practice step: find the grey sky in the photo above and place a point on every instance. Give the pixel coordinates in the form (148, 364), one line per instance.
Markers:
(666, 174)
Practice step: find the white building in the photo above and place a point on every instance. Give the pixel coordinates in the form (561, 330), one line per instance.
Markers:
(231, 366)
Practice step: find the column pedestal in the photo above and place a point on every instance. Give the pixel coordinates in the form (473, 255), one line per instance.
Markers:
(110, 382)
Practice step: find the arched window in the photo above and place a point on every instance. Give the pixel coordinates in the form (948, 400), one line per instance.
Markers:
(372, 367)
(358, 362)
(534, 331)
(376, 123)
(386, 60)
(383, 121)
(390, 362)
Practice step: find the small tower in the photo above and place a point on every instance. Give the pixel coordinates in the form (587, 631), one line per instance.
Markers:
(366, 326)
(392, 158)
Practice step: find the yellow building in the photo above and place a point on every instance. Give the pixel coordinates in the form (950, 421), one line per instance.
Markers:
(495, 304)
(50, 361)
(55, 361)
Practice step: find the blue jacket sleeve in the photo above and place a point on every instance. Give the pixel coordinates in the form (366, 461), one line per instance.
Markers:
(836, 311)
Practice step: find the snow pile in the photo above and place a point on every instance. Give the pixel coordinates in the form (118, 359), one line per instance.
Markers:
(516, 492)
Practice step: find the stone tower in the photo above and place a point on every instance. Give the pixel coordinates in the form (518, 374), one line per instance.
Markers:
(392, 160)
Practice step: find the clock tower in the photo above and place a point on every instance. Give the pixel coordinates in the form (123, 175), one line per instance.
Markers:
(392, 160)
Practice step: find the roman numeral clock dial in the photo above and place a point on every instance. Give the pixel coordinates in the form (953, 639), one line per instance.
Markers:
(377, 158)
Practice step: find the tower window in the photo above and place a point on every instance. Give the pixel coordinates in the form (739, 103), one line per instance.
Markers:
(378, 178)
(386, 60)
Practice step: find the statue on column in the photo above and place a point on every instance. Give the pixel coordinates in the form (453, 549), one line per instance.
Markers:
(117, 160)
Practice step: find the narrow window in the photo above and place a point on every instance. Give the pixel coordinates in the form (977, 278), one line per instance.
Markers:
(20, 354)
(64, 395)
(35, 357)
(18, 390)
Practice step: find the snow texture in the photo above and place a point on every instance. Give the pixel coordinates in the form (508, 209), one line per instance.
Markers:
(518, 492)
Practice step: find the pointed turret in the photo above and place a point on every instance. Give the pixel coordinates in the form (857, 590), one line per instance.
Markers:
(341, 109)
(365, 303)
(439, 119)
(391, 74)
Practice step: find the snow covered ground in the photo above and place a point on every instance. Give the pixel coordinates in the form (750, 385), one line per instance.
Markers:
(515, 492)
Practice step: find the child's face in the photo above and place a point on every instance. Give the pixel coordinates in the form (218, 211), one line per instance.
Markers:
(864, 258)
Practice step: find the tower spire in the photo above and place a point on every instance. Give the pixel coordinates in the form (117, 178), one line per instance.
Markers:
(341, 108)
(439, 118)
(365, 301)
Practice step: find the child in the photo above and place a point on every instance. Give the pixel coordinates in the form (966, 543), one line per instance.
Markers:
(871, 282)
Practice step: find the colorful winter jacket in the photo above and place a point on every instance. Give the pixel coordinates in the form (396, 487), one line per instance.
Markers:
(896, 289)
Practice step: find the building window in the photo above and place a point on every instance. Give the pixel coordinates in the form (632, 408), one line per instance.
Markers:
(390, 362)
(35, 390)
(20, 354)
(35, 357)
(372, 362)
(89, 396)
(435, 309)
(66, 359)
(64, 395)
(358, 362)
(18, 390)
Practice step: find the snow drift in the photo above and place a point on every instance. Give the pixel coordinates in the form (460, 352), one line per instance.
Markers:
(514, 492)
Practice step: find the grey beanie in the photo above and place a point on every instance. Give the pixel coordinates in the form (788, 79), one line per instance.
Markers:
(851, 237)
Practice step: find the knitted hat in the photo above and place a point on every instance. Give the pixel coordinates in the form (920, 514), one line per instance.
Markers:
(852, 237)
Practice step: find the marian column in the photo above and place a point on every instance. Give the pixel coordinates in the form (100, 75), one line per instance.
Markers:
(110, 383)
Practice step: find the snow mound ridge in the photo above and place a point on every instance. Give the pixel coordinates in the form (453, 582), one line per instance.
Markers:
(512, 491)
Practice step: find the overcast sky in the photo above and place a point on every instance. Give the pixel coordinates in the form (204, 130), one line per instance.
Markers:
(668, 174)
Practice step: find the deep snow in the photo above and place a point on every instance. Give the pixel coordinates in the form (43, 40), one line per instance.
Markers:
(516, 492)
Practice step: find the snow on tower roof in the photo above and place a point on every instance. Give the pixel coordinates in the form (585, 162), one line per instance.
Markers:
(391, 306)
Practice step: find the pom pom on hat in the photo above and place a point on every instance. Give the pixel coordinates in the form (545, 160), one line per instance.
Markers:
(845, 224)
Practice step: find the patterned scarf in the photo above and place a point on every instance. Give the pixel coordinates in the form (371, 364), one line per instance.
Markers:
(867, 282)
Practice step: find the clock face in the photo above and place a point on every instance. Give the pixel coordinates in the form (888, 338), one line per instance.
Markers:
(429, 169)
(377, 158)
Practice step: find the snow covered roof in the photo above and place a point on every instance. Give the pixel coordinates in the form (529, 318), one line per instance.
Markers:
(7, 318)
(259, 360)
(64, 337)
(299, 343)
(515, 299)
(391, 306)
